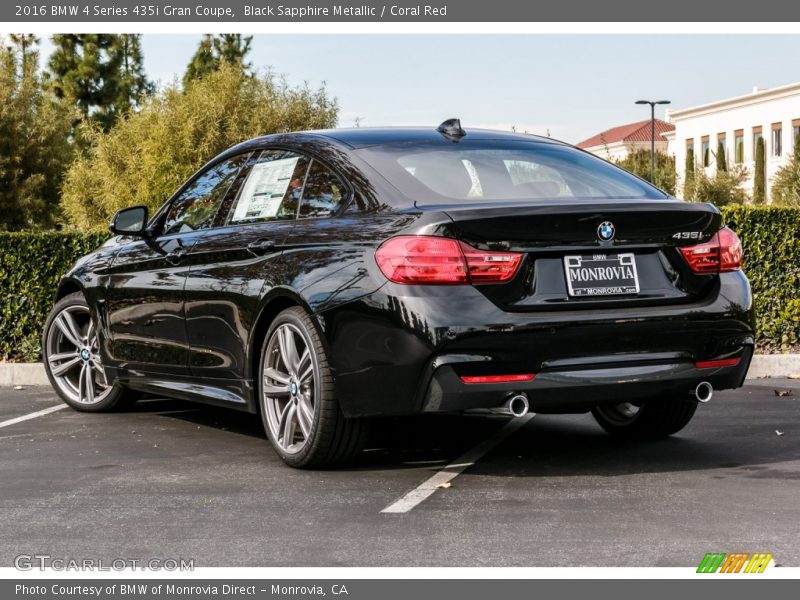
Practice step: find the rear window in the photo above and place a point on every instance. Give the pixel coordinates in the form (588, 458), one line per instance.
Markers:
(485, 171)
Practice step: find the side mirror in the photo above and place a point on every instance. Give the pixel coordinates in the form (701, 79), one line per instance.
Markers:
(130, 221)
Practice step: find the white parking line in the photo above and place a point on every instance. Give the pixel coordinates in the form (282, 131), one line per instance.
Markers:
(28, 417)
(455, 468)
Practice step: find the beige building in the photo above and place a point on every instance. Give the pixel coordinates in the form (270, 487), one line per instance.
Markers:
(616, 143)
(772, 114)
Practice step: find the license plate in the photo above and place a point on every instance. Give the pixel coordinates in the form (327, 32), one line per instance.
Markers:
(601, 275)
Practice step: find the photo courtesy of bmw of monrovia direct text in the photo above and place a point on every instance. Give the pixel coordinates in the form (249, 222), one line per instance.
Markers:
(469, 299)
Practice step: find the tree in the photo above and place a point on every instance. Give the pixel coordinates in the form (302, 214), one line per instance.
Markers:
(34, 139)
(638, 163)
(233, 48)
(133, 83)
(688, 179)
(102, 73)
(203, 61)
(760, 181)
(148, 154)
(213, 51)
(786, 185)
(722, 163)
(723, 188)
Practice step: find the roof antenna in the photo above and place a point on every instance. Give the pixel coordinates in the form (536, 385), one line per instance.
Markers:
(451, 129)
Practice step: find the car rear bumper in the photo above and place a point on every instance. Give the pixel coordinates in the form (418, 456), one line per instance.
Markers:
(580, 386)
(402, 350)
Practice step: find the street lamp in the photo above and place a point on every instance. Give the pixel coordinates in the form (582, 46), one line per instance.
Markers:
(652, 134)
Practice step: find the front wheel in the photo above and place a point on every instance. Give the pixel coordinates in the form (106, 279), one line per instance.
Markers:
(72, 359)
(652, 419)
(298, 403)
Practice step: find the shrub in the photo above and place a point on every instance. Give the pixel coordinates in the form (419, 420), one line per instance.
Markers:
(786, 184)
(688, 183)
(772, 263)
(147, 155)
(723, 188)
(760, 179)
(31, 265)
(638, 163)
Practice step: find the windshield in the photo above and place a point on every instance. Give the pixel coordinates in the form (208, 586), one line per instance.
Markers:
(487, 171)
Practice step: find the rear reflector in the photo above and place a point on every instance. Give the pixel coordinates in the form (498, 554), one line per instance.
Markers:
(721, 253)
(429, 260)
(711, 364)
(497, 378)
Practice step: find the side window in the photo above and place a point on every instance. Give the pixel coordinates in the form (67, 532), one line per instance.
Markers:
(272, 189)
(197, 205)
(322, 193)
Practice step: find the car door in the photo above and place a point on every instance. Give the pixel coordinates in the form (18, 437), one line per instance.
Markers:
(145, 295)
(233, 262)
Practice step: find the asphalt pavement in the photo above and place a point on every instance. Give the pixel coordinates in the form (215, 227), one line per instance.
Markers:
(172, 479)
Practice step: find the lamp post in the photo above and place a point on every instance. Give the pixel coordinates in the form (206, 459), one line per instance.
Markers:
(652, 104)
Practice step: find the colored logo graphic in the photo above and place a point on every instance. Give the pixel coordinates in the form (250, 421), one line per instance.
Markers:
(736, 562)
(606, 231)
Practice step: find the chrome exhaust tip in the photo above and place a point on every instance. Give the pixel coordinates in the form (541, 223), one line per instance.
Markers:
(516, 405)
(704, 391)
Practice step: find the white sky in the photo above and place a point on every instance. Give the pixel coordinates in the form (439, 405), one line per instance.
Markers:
(572, 85)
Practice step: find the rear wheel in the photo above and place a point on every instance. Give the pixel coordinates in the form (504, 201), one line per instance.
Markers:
(298, 403)
(72, 359)
(647, 420)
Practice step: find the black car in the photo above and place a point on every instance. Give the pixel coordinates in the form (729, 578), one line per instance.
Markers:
(326, 277)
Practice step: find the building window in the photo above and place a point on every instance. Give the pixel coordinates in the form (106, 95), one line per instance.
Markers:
(756, 136)
(777, 140)
(738, 144)
(721, 149)
(795, 131)
(706, 150)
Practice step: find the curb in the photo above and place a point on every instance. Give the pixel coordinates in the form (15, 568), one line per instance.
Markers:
(22, 374)
(763, 366)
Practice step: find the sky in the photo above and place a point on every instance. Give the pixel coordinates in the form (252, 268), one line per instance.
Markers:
(572, 86)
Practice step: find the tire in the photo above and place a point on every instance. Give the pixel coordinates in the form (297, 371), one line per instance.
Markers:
(653, 419)
(297, 398)
(72, 361)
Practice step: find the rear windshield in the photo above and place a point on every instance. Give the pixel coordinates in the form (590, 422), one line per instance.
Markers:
(487, 171)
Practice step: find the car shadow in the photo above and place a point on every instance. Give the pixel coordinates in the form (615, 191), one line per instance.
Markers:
(549, 445)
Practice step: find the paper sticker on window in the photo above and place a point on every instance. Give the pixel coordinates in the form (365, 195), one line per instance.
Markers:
(264, 190)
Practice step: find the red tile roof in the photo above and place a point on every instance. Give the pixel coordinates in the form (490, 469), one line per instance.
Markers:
(632, 132)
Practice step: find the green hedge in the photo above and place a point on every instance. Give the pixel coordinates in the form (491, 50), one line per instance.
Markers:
(32, 263)
(771, 240)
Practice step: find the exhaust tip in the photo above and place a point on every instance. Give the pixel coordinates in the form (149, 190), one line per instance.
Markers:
(704, 391)
(518, 405)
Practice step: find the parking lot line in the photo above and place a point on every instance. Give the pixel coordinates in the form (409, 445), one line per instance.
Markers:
(33, 415)
(455, 468)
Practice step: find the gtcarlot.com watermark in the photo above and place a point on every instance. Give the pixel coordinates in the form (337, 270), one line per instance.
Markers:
(43, 562)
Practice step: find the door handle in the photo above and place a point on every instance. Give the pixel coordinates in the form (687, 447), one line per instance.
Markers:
(175, 256)
(261, 246)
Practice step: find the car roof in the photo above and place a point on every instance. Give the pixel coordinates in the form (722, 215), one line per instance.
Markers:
(362, 137)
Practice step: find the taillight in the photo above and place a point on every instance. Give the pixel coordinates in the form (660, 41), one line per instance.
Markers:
(420, 260)
(730, 250)
(713, 364)
(723, 252)
(498, 378)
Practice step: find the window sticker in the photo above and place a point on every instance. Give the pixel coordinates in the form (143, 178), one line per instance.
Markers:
(265, 189)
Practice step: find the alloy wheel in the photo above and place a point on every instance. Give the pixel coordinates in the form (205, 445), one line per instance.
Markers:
(72, 353)
(287, 388)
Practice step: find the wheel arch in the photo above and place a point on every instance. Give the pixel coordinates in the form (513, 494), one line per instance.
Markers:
(66, 287)
(273, 304)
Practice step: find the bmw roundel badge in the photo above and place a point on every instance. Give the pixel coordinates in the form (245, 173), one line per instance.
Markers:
(606, 231)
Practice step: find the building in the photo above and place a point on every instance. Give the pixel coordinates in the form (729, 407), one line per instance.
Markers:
(772, 114)
(616, 143)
